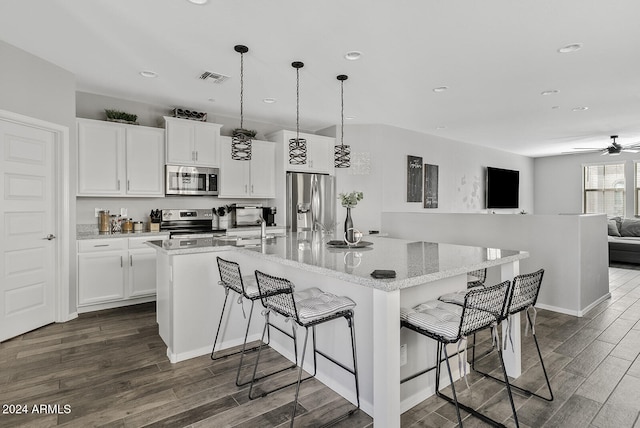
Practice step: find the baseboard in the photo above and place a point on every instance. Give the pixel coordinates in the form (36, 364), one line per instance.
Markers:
(206, 350)
(579, 313)
(116, 304)
(69, 317)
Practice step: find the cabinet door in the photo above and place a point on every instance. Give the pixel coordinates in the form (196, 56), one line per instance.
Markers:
(320, 154)
(234, 174)
(101, 158)
(142, 272)
(180, 138)
(206, 144)
(101, 277)
(145, 161)
(263, 174)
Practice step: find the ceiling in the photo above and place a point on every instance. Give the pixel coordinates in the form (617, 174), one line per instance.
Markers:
(496, 57)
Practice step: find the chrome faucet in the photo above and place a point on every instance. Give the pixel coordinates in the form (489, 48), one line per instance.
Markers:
(263, 228)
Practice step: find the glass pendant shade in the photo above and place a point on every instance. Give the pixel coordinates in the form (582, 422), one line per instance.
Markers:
(241, 142)
(297, 146)
(342, 152)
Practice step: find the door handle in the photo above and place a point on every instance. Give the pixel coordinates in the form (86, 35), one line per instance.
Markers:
(49, 237)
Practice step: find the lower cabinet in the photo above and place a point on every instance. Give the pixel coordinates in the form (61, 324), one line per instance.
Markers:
(115, 270)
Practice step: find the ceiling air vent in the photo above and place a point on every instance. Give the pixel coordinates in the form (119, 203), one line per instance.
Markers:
(215, 77)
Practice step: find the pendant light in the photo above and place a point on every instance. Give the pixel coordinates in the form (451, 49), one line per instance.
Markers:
(297, 146)
(241, 140)
(342, 153)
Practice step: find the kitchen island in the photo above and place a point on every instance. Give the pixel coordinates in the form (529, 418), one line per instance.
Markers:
(190, 301)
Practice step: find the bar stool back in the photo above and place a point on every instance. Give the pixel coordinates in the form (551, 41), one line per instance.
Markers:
(476, 278)
(449, 323)
(232, 280)
(526, 288)
(307, 309)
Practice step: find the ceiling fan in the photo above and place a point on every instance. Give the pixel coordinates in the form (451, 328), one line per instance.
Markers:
(614, 149)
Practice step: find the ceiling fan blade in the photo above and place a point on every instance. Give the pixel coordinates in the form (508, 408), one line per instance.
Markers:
(627, 149)
(586, 148)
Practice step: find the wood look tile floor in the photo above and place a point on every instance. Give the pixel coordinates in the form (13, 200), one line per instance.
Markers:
(111, 369)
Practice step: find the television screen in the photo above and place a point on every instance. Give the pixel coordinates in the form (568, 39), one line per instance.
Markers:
(502, 188)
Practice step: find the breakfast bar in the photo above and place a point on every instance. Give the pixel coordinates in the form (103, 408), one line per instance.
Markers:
(190, 300)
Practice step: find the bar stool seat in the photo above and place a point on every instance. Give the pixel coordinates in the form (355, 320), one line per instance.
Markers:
(306, 308)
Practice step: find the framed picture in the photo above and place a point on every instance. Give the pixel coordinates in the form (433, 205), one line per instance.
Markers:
(430, 186)
(414, 179)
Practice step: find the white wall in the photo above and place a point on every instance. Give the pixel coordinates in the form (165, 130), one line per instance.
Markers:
(34, 87)
(462, 169)
(572, 249)
(558, 181)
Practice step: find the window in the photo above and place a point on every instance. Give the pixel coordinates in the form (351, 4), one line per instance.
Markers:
(637, 165)
(604, 189)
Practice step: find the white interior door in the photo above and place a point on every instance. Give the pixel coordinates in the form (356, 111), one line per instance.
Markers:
(28, 268)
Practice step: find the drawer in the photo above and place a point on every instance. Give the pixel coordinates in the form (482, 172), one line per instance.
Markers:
(140, 241)
(94, 245)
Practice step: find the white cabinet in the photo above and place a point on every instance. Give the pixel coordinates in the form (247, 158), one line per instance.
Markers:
(191, 142)
(319, 152)
(248, 179)
(119, 160)
(115, 270)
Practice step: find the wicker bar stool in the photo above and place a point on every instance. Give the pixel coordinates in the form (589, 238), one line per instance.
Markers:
(450, 323)
(476, 278)
(307, 309)
(232, 280)
(526, 288)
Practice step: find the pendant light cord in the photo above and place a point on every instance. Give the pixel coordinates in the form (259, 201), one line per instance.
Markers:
(342, 112)
(297, 103)
(241, 89)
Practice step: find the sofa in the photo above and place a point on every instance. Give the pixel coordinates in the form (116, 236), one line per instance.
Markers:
(624, 240)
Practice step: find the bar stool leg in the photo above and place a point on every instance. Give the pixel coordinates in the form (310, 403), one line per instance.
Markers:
(244, 345)
(350, 321)
(544, 370)
(224, 305)
(304, 351)
(255, 367)
(506, 379)
(442, 347)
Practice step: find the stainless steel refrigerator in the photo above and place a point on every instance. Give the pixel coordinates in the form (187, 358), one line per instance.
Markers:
(311, 202)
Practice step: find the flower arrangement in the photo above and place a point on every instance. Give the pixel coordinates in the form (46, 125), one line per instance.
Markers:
(350, 200)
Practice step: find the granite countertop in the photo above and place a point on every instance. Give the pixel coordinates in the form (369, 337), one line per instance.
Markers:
(95, 235)
(415, 262)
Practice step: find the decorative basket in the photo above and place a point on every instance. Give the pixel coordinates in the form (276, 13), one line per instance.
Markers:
(189, 114)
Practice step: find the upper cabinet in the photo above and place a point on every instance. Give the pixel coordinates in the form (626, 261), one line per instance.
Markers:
(192, 142)
(319, 152)
(119, 160)
(248, 179)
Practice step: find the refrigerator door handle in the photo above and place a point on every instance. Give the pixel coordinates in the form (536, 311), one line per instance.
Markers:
(315, 203)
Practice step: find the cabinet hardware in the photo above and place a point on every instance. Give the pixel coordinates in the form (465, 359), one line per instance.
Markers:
(121, 265)
(128, 185)
(118, 184)
(245, 188)
(252, 188)
(196, 155)
(131, 260)
(101, 245)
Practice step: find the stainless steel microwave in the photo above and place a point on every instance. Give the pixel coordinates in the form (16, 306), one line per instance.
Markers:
(191, 180)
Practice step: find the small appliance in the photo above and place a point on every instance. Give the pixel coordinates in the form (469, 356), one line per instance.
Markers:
(246, 215)
(191, 180)
(269, 215)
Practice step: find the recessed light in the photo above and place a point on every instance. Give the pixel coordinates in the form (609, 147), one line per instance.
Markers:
(570, 48)
(353, 55)
(549, 92)
(198, 2)
(212, 100)
(269, 100)
(555, 107)
(148, 73)
(440, 89)
(440, 127)
(580, 108)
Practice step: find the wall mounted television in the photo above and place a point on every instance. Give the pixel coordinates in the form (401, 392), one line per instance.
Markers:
(502, 188)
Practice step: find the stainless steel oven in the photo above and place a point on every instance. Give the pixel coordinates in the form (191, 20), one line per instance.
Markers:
(181, 223)
(191, 180)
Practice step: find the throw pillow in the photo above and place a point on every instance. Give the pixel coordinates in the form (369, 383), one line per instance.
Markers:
(630, 227)
(613, 228)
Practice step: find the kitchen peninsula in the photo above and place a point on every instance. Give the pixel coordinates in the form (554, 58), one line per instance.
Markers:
(190, 300)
